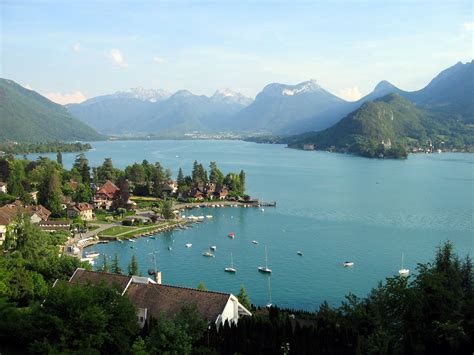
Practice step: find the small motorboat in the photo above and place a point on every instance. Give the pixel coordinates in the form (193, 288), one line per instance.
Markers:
(232, 235)
(92, 254)
(300, 253)
(209, 216)
(189, 245)
(263, 209)
(131, 240)
(169, 248)
(213, 248)
(348, 263)
(208, 254)
(254, 242)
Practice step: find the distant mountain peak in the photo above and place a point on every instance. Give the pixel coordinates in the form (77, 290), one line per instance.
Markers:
(142, 94)
(230, 96)
(277, 89)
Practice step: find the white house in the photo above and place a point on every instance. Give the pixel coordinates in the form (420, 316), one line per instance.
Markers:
(151, 299)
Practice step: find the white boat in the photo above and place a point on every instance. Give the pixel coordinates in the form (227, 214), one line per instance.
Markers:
(92, 254)
(254, 242)
(263, 210)
(265, 268)
(131, 240)
(189, 245)
(300, 253)
(213, 248)
(231, 268)
(169, 248)
(208, 254)
(403, 272)
(348, 263)
(209, 216)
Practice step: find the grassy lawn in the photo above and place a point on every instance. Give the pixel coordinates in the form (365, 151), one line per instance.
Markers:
(129, 232)
(116, 230)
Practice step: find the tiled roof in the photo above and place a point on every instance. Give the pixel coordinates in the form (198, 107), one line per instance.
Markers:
(109, 189)
(81, 207)
(84, 277)
(169, 300)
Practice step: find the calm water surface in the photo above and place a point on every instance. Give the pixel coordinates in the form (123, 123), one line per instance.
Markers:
(332, 207)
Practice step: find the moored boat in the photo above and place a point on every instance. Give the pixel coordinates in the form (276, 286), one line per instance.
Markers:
(232, 235)
(231, 268)
(348, 263)
(189, 245)
(208, 254)
(265, 269)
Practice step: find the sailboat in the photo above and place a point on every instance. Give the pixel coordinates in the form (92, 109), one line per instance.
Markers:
(231, 268)
(265, 268)
(403, 272)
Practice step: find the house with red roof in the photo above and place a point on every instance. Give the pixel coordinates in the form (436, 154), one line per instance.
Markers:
(80, 209)
(105, 195)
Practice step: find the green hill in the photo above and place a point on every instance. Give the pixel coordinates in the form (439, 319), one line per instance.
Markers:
(26, 116)
(390, 118)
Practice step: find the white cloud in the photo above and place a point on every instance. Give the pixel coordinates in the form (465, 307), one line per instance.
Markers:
(117, 57)
(66, 98)
(468, 26)
(350, 94)
(158, 60)
(76, 47)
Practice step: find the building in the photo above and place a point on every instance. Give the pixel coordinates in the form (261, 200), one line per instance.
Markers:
(170, 187)
(80, 209)
(3, 187)
(55, 226)
(8, 213)
(151, 299)
(105, 195)
(221, 192)
(308, 147)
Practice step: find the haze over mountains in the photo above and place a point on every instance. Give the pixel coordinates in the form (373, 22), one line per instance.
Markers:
(278, 109)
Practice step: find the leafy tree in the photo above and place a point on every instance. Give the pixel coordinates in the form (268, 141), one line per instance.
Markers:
(133, 266)
(83, 193)
(115, 268)
(244, 298)
(49, 192)
(16, 178)
(107, 171)
(139, 347)
(157, 180)
(190, 320)
(168, 337)
(242, 182)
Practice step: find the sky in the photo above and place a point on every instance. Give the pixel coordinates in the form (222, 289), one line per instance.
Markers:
(73, 50)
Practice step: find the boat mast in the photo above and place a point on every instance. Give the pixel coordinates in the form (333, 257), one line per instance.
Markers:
(231, 261)
(402, 260)
(266, 259)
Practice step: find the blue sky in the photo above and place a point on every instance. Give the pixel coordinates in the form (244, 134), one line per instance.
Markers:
(71, 50)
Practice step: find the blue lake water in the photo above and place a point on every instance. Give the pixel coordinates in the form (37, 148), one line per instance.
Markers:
(332, 207)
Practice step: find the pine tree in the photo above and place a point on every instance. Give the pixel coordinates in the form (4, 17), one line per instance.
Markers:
(242, 182)
(59, 158)
(133, 266)
(244, 298)
(115, 265)
(105, 264)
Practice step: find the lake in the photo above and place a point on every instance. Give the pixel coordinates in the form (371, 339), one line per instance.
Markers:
(332, 207)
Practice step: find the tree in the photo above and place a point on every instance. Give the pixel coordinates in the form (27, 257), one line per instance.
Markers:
(107, 171)
(157, 180)
(242, 182)
(167, 209)
(244, 298)
(49, 191)
(83, 193)
(202, 286)
(81, 164)
(59, 158)
(16, 178)
(133, 266)
(215, 176)
(105, 264)
(139, 347)
(115, 268)
(168, 337)
(180, 178)
(189, 319)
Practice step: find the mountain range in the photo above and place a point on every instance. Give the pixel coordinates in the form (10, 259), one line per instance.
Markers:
(279, 109)
(26, 116)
